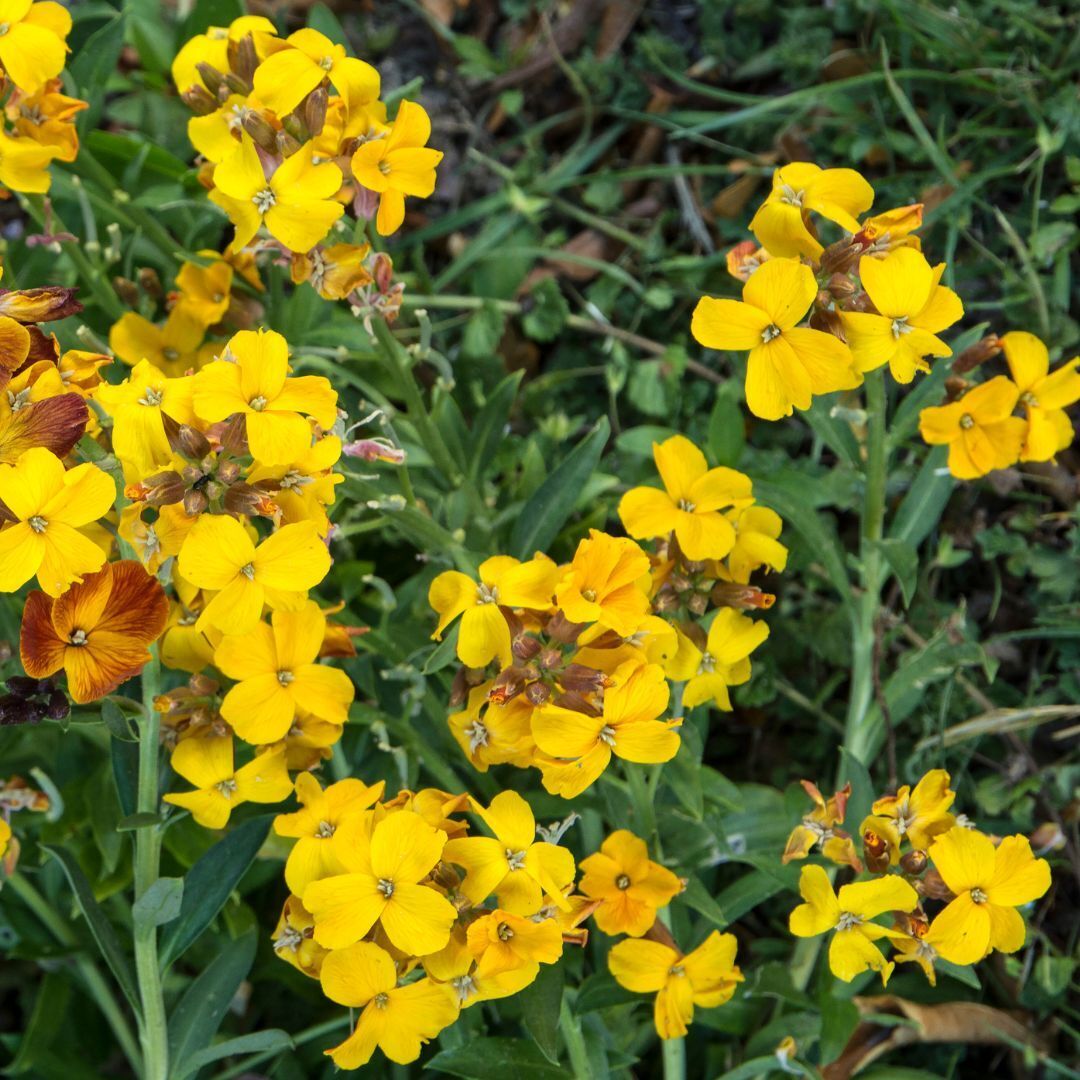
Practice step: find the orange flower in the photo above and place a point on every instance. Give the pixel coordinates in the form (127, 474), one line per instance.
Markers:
(98, 631)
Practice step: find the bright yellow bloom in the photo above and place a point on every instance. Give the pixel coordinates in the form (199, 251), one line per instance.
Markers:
(293, 940)
(606, 583)
(504, 582)
(47, 506)
(254, 382)
(24, 163)
(473, 982)
(396, 1019)
(314, 825)
(175, 348)
(788, 363)
(1044, 396)
(691, 503)
(207, 764)
(725, 661)
(288, 75)
(33, 41)
(630, 886)
(139, 407)
(512, 865)
(397, 165)
(295, 203)
(502, 940)
(503, 734)
(892, 229)
(820, 827)
(852, 949)
(205, 291)
(5, 836)
(782, 222)
(333, 271)
(627, 728)
(707, 977)
(922, 813)
(757, 543)
(277, 675)
(219, 554)
(913, 308)
(382, 885)
(213, 48)
(990, 884)
(979, 429)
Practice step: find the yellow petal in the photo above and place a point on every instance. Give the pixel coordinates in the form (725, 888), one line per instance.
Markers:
(680, 464)
(292, 559)
(899, 284)
(641, 966)
(868, 899)
(1027, 357)
(821, 910)
(964, 858)
(417, 918)
(784, 289)
(727, 324)
(961, 933)
(851, 953)
(353, 975)
(1018, 877)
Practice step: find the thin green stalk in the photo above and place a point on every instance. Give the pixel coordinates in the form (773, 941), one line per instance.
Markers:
(153, 1032)
(570, 1026)
(96, 985)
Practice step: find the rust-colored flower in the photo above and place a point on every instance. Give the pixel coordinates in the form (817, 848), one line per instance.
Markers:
(98, 631)
(57, 423)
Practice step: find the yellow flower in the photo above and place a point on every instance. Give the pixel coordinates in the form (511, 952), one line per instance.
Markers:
(382, 885)
(502, 941)
(288, 75)
(511, 865)
(757, 543)
(293, 940)
(627, 728)
(5, 836)
(1043, 395)
(819, 827)
(253, 382)
(207, 764)
(205, 291)
(397, 165)
(725, 661)
(913, 308)
(219, 554)
(922, 814)
(46, 117)
(892, 229)
(852, 949)
(691, 503)
(213, 48)
(396, 1019)
(174, 349)
(24, 163)
(47, 507)
(277, 674)
(630, 886)
(504, 582)
(333, 271)
(707, 977)
(139, 407)
(33, 41)
(788, 363)
(989, 883)
(606, 583)
(979, 429)
(782, 222)
(472, 982)
(295, 202)
(503, 734)
(314, 825)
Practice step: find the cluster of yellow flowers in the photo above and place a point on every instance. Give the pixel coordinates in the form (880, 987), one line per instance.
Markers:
(871, 298)
(922, 855)
(292, 132)
(37, 126)
(581, 655)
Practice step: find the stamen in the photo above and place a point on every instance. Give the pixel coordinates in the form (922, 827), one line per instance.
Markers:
(151, 396)
(505, 932)
(264, 200)
(285, 677)
(38, 523)
(622, 882)
(78, 637)
(478, 736)
(227, 787)
(487, 594)
(790, 196)
(258, 403)
(515, 859)
(248, 571)
(607, 735)
(967, 422)
(707, 665)
(978, 896)
(900, 326)
(386, 887)
(770, 332)
(324, 831)
(847, 921)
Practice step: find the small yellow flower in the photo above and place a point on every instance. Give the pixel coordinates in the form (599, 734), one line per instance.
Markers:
(725, 661)
(294, 941)
(396, 1019)
(501, 941)
(47, 117)
(606, 583)
(788, 363)
(757, 542)
(33, 41)
(922, 813)
(820, 827)
(892, 229)
(471, 982)
(706, 977)
(630, 886)
(979, 429)
(205, 291)
(213, 48)
(491, 733)
(782, 222)
(175, 349)
(990, 884)
(1043, 394)
(849, 913)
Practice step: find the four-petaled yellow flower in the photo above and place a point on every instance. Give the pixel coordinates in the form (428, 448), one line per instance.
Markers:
(606, 583)
(849, 913)
(757, 542)
(788, 363)
(912, 309)
(820, 827)
(724, 662)
(691, 503)
(630, 886)
(396, 1019)
(502, 940)
(922, 813)
(1044, 395)
(990, 884)
(706, 977)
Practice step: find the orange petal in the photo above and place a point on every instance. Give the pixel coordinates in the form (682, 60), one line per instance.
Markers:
(56, 423)
(40, 647)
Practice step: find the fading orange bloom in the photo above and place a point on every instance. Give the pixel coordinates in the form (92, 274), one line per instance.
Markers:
(887, 231)
(97, 632)
(56, 423)
(819, 827)
(744, 258)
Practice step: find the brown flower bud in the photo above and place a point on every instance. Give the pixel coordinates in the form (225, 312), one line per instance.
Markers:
(550, 659)
(294, 125)
(840, 257)
(199, 101)
(743, 597)
(195, 502)
(164, 489)
(127, 290)
(286, 145)
(233, 84)
(190, 442)
(828, 321)
(913, 862)
(579, 679)
(576, 702)
(537, 693)
(508, 684)
(261, 132)
(698, 603)
(932, 885)
(232, 435)
(955, 388)
(383, 272)
(150, 282)
(203, 685)
(841, 287)
(243, 59)
(525, 647)
(228, 472)
(974, 355)
(315, 110)
(211, 77)
(876, 852)
(242, 499)
(560, 629)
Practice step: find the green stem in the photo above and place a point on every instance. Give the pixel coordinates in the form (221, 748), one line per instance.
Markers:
(153, 1032)
(862, 728)
(570, 1026)
(96, 984)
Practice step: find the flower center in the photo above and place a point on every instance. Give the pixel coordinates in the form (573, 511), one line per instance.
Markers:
(1029, 399)
(381, 1000)
(622, 882)
(847, 921)
(324, 831)
(708, 664)
(151, 396)
(386, 887)
(20, 400)
(227, 787)
(170, 354)
(589, 594)
(248, 571)
(687, 505)
(384, 167)
(326, 63)
(677, 971)
(264, 199)
(790, 196)
(515, 859)
(464, 986)
(607, 735)
(4, 28)
(505, 932)
(38, 523)
(978, 896)
(289, 938)
(770, 332)
(258, 403)
(967, 421)
(218, 297)
(285, 677)
(78, 637)
(901, 326)
(478, 735)
(487, 594)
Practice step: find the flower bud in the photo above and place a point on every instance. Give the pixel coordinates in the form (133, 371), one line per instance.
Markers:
(127, 290)
(577, 678)
(743, 597)
(974, 355)
(228, 472)
(199, 101)
(550, 659)
(233, 436)
(876, 852)
(561, 630)
(150, 282)
(913, 862)
(211, 77)
(383, 272)
(164, 489)
(189, 442)
(955, 388)
(295, 126)
(577, 703)
(314, 114)
(242, 498)
(508, 684)
(262, 134)
(698, 603)
(932, 885)
(828, 321)
(286, 144)
(525, 647)
(537, 693)
(243, 59)
(841, 287)
(233, 84)
(195, 502)
(840, 257)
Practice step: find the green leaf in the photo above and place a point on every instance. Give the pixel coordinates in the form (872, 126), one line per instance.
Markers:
(744, 894)
(209, 882)
(488, 430)
(46, 1025)
(321, 18)
(921, 508)
(903, 561)
(91, 66)
(272, 1040)
(125, 766)
(546, 311)
(726, 437)
(552, 503)
(104, 935)
(496, 1059)
(144, 820)
(833, 431)
(207, 13)
(483, 331)
(160, 903)
(855, 773)
(839, 1018)
(117, 721)
(601, 991)
(443, 654)
(701, 900)
(196, 1018)
(540, 1002)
